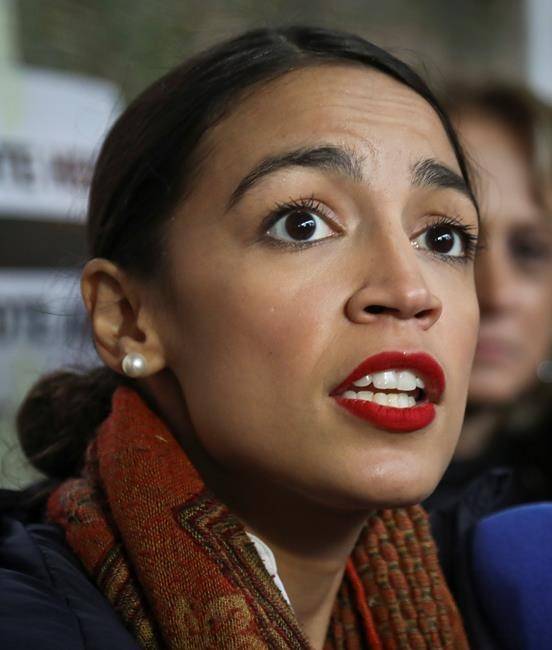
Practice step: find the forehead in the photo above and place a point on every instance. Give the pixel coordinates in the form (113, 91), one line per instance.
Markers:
(503, 173)
(349, 105)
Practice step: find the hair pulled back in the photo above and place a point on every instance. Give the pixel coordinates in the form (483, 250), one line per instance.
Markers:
(147, 164)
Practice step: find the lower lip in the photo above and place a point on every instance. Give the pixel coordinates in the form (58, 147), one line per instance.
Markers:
(388, 418)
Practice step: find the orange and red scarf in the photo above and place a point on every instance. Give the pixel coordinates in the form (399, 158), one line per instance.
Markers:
(182, 573)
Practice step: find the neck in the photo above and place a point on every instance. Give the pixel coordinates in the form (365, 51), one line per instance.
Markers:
(312, 585)
(310, 543)
(479, 426)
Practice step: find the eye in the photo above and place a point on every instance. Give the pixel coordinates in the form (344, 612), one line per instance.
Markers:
(447, 240)
(299, 224)
(528, 248)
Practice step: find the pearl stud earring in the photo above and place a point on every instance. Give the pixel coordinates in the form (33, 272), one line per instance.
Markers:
(134, 364)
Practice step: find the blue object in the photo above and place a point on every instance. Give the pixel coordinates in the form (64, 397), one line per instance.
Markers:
(512, 573)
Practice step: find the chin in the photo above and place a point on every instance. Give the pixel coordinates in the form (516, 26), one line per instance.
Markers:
(405, 493)
(488, 393)
(498, 387)
(406, 477)
(395, 486)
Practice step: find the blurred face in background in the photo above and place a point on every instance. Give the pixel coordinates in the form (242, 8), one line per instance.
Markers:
(514, 271)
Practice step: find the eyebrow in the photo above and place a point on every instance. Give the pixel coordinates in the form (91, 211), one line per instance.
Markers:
(348, 163)
(345, 162)
(430, 173)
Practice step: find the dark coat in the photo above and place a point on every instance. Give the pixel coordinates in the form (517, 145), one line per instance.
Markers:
(454, 528)
(47, 602)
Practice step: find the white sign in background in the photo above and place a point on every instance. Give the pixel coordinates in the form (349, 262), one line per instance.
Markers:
(51, 127)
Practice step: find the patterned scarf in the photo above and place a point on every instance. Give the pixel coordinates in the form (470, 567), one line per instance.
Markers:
(182, 573)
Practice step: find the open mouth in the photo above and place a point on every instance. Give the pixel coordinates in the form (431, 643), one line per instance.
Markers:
(396, 391)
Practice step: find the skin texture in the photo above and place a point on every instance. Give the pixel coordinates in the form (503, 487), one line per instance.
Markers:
(251, 338)
(514, 272)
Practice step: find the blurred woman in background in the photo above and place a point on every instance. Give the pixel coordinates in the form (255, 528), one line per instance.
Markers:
(492, 561)
(507, 133)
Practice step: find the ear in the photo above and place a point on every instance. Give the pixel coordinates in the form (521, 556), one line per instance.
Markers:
(121, 320)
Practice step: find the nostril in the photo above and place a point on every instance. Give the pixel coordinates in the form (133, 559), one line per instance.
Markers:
(425, 313)
(380, 309)
(375, 309)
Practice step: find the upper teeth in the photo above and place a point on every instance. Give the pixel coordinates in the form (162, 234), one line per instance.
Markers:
(391, 379)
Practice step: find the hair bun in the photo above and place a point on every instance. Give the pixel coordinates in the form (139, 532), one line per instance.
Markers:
(60, 416)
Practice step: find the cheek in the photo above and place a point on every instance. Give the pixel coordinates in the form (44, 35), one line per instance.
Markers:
(529, 324)
(457, 333)
(258, 340)
(535, 316)
(257, 322)
(535, 335)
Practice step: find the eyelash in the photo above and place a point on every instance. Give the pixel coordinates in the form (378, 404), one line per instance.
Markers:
(282, 209)
(471, 240)
(468, 234)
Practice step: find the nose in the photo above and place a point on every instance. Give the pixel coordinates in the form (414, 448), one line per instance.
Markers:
(395, 289)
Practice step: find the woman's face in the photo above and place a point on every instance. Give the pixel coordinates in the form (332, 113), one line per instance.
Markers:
(328, 223)
(514, 271)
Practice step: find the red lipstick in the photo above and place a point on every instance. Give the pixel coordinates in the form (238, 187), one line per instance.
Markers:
(390, 418)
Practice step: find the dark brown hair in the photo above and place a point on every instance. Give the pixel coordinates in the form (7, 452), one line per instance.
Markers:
(146, 165)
